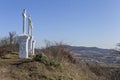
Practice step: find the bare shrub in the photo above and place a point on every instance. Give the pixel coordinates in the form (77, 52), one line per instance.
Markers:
(9, 44)
(58, 51)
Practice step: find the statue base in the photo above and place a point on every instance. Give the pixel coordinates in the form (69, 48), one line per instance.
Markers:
(30, 45)
(23, 46)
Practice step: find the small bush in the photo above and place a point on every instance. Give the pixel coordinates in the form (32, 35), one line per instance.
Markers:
(43, 58)
(52, 63)
(39, 57)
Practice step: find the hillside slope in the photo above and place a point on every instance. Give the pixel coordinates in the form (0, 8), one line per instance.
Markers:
(52, 63)
(17, 69)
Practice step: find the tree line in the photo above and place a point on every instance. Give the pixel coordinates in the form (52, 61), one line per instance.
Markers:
(9, 44)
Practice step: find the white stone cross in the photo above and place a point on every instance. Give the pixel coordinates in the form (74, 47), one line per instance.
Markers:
(24, 20)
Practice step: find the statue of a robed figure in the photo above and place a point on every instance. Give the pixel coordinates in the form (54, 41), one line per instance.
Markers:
(31, 43)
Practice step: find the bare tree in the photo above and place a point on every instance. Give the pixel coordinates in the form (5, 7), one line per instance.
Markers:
(11, 36)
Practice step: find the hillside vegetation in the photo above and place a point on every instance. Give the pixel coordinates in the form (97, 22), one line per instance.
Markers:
(52, 63)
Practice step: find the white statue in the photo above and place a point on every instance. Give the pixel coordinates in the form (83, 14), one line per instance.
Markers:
(24, 20)
(26, 41)
(30, 25)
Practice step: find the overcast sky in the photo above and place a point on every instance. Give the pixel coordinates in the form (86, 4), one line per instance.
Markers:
(75, 22)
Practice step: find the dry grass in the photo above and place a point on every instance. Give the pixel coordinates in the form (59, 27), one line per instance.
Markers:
(58, 51)
(12, 68)
(38, 71)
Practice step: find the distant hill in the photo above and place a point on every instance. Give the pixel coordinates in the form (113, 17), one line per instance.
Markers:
(95, 54)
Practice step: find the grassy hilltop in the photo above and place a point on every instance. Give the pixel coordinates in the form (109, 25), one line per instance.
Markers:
(52, 63)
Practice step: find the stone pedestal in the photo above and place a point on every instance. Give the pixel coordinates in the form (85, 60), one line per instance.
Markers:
(23, 46)
(30, 45)
(33, 47)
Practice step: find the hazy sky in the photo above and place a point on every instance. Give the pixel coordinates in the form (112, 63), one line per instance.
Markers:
(75, 22)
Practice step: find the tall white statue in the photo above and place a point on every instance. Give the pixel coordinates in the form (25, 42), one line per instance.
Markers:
(30, 25)
(23, 39)
(24, 20)
(26, 41)
(30, 42)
